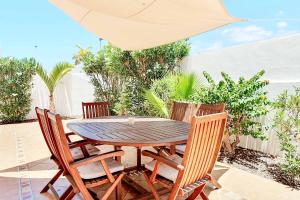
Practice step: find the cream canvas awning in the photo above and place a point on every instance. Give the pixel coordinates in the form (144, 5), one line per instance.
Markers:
(141, 24)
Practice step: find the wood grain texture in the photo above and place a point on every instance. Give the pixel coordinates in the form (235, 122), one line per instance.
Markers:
(92, 110)
(71, 166)
(207, 109)
(203, 145)
(144, 132)
(183, 111)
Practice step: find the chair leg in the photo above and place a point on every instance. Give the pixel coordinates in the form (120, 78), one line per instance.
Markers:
(67, 193)
(119, 191)
(113, 186)
(215, 183)
(52, 181)
(196, 193)
(70, 196)
(203, 196)
(153, 190)
(85, 193)
(94, 194)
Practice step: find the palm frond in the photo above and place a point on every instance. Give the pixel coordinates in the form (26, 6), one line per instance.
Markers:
(44, 76)
(51, 80)
(58, 72)
(158, 104)
(185, 86)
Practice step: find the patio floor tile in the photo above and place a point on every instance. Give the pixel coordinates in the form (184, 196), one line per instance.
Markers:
(33, 169)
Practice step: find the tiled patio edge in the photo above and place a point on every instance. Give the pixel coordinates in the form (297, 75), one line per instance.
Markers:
(25, 189)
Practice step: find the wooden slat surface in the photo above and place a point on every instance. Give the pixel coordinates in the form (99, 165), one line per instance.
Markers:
(144, 131)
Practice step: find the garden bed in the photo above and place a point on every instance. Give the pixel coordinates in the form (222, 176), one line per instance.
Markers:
(261, 164)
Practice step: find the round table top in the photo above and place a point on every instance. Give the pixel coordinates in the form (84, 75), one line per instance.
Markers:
(129, 131)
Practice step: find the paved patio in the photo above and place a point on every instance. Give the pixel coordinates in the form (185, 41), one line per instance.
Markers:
(25, 168)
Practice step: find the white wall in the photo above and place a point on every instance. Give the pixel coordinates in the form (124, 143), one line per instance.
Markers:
(279, 57)
(70, 92)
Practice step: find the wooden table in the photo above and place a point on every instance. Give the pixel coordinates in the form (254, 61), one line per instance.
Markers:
(145, 132)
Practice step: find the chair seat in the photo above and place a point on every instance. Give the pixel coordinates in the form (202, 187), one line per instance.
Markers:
(95, 169)
(165, 170)
(77, 153)
(180, 148)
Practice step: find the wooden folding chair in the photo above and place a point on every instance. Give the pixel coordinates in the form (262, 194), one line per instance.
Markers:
(203, 109)
(183, 111)
(79, 149)
(92, 110)
(190, 173)
(88, 172)
(208, 109)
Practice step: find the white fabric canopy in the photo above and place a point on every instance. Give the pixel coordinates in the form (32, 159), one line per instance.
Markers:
(141, 24)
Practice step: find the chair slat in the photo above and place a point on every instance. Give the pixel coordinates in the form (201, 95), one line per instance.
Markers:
(203, 145)
(183, 111)
(207, 109)
(78, 183)
(92, 110)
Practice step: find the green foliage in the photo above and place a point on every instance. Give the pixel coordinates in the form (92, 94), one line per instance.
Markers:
(174, 87)
(112, 70)
(51, 80)
(57, 73)
(130, 102)
(15, 80)
(158, 104)
(245, 101)
(155, 63)
(287, 125)
(105, 72)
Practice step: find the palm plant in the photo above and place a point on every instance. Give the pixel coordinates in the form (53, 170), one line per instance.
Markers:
(51, 80)
(173, 88)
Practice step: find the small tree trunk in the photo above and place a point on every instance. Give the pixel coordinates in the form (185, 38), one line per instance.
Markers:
(230, 147)
(227, 144)
(236, 142)
(51, 103)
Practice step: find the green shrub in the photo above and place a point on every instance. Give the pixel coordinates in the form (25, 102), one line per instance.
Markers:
(173, 87)
(130, 102)
(15, 88)
(287, 127)
(104, 72)
(113, 72)
(245, 101)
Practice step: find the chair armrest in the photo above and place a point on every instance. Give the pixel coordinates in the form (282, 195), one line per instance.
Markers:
(70, 133)
(164, 160)
(96, 158)
(79, 143)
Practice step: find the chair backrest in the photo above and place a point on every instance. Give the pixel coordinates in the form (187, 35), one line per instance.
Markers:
(42, 115)
(208, 109)
(44, 125)
(95, 109)
(56, 127)
(183, 111)
(203, 145)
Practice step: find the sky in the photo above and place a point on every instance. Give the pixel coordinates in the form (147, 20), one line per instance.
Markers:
(36, 28)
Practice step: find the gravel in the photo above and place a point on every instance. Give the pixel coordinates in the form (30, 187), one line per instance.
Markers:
(261, 164)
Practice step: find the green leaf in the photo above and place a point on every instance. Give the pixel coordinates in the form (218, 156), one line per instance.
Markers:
(157, 103)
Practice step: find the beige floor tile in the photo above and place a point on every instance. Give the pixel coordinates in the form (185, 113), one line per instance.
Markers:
(237, 184)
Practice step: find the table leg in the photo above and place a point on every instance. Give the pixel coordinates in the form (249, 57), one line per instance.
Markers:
(138, 158)
(118, 158)
(173, 149)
